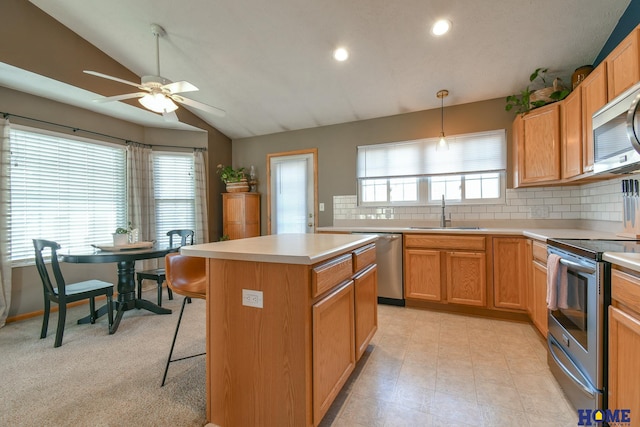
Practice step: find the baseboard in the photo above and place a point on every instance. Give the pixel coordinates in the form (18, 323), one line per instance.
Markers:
(54, 308)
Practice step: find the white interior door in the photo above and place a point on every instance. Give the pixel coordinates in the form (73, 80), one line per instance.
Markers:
(292, 193)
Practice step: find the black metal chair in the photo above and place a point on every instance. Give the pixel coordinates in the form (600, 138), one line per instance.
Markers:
(63, 293)
(158, 274)
(187, 276)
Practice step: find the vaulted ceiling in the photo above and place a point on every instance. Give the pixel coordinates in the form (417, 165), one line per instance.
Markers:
(269, 64)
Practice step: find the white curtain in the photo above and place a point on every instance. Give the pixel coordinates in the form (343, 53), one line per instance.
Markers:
(201, 213)
(140, 195)
(5, 223)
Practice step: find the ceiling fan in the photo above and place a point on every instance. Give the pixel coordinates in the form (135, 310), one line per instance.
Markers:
(159, 93)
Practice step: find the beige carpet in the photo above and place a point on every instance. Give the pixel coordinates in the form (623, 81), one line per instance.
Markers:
(97, 379)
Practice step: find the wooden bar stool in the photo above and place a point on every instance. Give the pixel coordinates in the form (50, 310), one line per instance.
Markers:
(185, 276)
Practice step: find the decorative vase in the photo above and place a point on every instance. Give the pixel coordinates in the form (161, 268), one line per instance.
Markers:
(238, 187)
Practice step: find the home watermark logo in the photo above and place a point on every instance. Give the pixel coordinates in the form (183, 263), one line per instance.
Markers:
(614, 417)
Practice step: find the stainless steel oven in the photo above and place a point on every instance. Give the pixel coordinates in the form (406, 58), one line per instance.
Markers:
(576, 337)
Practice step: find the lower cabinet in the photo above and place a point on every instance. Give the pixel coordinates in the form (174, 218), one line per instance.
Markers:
(446, 268)
(510, 272)
(538, 284)
(624, 344)
(466, 278)
(366, 309)
(334, 355)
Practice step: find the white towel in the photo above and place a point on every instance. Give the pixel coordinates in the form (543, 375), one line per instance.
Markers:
(554, 271)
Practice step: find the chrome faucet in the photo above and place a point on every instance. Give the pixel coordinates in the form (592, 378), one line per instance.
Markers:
(443, 218)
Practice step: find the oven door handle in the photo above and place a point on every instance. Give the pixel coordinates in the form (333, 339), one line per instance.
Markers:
(589, 391)
(577, 267)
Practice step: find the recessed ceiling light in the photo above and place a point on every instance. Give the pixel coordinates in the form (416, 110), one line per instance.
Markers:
(442, 26)
(341, 54)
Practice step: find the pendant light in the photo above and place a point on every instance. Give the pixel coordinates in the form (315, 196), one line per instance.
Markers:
(442, 143)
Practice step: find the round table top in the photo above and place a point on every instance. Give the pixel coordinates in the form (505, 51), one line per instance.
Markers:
(95, 255)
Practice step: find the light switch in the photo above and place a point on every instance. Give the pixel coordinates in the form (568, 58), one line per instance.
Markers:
(321, 207)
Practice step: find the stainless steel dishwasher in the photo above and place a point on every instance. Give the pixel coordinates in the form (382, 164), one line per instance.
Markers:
(389, 260)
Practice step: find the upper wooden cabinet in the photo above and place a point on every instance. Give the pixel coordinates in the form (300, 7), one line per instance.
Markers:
(623, 65)
(594, 97)
(538, 146)
(572, 135)
(241, 215)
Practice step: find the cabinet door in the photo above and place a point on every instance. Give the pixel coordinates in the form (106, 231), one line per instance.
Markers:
(539, 158)
(529, 281)
(540, 314)
(366, 296)
(624, 363)
(466, 278)
(334, 355)
(517, 130)
(241, 215)
(572, 135)
(509, 272)
(594, 97)
(623, 65)
(422, 279)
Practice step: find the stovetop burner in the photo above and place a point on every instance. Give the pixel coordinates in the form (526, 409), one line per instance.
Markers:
(593, 249)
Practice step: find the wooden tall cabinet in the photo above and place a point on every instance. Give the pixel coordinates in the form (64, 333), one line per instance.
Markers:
(240, 215)
(624, 344)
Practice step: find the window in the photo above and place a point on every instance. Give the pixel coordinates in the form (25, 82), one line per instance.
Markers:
(174, 188)
(64, 188)
(413, 173)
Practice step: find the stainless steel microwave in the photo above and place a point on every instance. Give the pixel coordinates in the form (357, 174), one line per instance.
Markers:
(616, 133)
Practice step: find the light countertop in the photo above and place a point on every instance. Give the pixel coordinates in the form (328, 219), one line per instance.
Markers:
(624, 259)
(541, 234)
(306, 249)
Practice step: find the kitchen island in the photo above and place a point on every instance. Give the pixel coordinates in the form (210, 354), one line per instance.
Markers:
(288, 316)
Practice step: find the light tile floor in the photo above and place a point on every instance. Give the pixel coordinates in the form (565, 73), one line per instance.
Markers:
(426, 368)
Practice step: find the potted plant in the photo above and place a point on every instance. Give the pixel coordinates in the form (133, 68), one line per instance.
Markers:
(530, 98)
(121, 236)
(234, 179)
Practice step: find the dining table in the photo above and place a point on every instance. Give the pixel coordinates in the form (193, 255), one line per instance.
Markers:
(125, 257)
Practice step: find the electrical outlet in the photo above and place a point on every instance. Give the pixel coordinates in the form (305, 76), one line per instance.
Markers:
(538, 212)
(252, 298)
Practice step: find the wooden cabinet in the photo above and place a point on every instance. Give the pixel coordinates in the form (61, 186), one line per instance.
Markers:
(538, 287)
(594, 97)
(538, 146)
(240, 215)
(510, 272)
(572, 135)
(449, 268)
(466, 278)
(334, 355)
(624, 344)
(422, 277)
(623, 65)
(366, 311)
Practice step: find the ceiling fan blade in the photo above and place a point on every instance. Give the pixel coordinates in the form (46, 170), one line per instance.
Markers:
(105, 76)
(121, 97)
(198, 105)
(179, 87)
(170, 117)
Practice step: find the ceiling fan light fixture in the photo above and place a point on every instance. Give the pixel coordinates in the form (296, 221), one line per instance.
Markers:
(158, 103)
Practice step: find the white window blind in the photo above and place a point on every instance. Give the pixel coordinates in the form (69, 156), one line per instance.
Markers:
(174, 186)
(66, 189)
(475, 152)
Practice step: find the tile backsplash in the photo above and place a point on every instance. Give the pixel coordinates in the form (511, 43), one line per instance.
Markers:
(598, 201)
